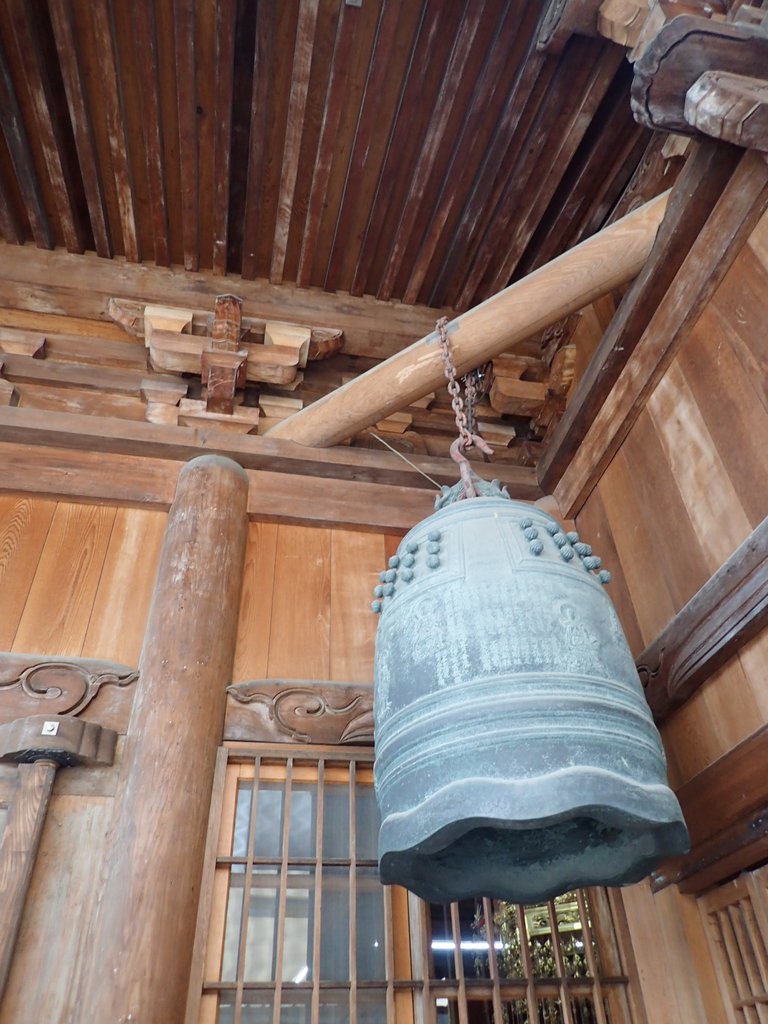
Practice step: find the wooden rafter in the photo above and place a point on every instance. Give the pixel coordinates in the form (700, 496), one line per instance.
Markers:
(82, 124)
(118, 139)
(186, 101)
(226, 11)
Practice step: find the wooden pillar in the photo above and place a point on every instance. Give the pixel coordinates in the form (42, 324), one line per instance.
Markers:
(142, 937)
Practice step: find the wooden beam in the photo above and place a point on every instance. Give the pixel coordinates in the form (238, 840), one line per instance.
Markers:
(135, 481)
(118, 140)
(569, 283)
(163, 802)
(727, 229)
(186, 101)
(725, 808)
(62, 22)
(102, 435)
(564, 18)
(730, 107)
(149, 97)
(16, 140)
(81, 286)
(47, 123)
(226, 17)
(720, 618)
(691, 201)
(302, 65)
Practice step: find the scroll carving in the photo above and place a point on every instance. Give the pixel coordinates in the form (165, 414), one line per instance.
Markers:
(300, 711)
(33, 685)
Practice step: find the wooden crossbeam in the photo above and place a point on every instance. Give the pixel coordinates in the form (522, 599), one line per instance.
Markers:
(567, 284)
(720, 618)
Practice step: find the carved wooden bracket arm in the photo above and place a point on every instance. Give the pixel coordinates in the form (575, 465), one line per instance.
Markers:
(64, 741)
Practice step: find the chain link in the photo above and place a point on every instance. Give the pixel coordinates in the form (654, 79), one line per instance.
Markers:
(454, 388)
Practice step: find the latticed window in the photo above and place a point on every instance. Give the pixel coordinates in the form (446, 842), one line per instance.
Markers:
(300, 931)
(736, 918)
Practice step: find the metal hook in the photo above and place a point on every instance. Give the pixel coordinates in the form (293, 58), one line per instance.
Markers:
(465, 467)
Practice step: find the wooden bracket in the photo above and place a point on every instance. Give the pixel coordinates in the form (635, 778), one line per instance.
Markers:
(60, 739)
(730, 107)
(683, 50)
(564, 18)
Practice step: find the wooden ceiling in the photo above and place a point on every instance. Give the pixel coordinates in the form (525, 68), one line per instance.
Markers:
(417, 150)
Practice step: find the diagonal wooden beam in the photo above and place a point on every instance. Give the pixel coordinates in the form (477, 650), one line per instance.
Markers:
(302, 65)
(10, 226)
(604, 262)
(691, 201)
(730, 609)
(12, 125)
(62, 21)
(726, 230)
(118, 140)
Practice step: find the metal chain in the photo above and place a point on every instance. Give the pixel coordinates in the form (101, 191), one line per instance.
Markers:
(454, 388)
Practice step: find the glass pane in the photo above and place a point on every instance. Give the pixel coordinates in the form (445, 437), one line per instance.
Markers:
(303, 824)
(268, 841)
(336, 820)
(583, 1011)
(371, 1006)
(550, 1011)
(257, 1008)
(516, 1012)
(540, 937)
(226, 1008)
(334, 945)
(334, 1006)
(443, 965)
(370, 926)
(571, 937)
(295, 1006)
(242, 819)
(367, 823)
(232, 924)
(261, 938)
(299, 923)
(508, 952)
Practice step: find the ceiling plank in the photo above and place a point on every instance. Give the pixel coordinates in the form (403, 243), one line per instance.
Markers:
(257, 151)
(186, 101)
(302, 63)
(425, 164)
(47, 124)
(553, 142)
(345, 35)
(692, 200)
(727, 229)
(149, 98)
(67, 47)
(118, 140)
(10, 226)
(16, 139)
(507, 50)
(600, 264)
(226, 12)
(533, 79)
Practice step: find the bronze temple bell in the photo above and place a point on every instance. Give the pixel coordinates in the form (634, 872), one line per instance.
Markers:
(516, 756)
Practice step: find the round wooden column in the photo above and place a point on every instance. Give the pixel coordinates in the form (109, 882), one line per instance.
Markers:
(141, 946)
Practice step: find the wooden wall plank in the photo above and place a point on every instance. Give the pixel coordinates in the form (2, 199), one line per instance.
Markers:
(24, 526)
(356, 561)
(252, 652)
(60, 601)
(125, 587)
(299, 644)
(226, 11)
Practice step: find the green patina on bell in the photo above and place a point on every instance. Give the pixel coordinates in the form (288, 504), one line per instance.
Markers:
(516, 756)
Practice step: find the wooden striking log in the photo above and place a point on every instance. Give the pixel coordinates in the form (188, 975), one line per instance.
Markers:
(729, 610)
(144, 928)
(600, 264)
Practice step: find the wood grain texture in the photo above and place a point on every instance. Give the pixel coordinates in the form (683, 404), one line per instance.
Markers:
(170, 755)
(356, 561)
(252, 651)
(24, 526)
(60, 600)
(299, 638)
